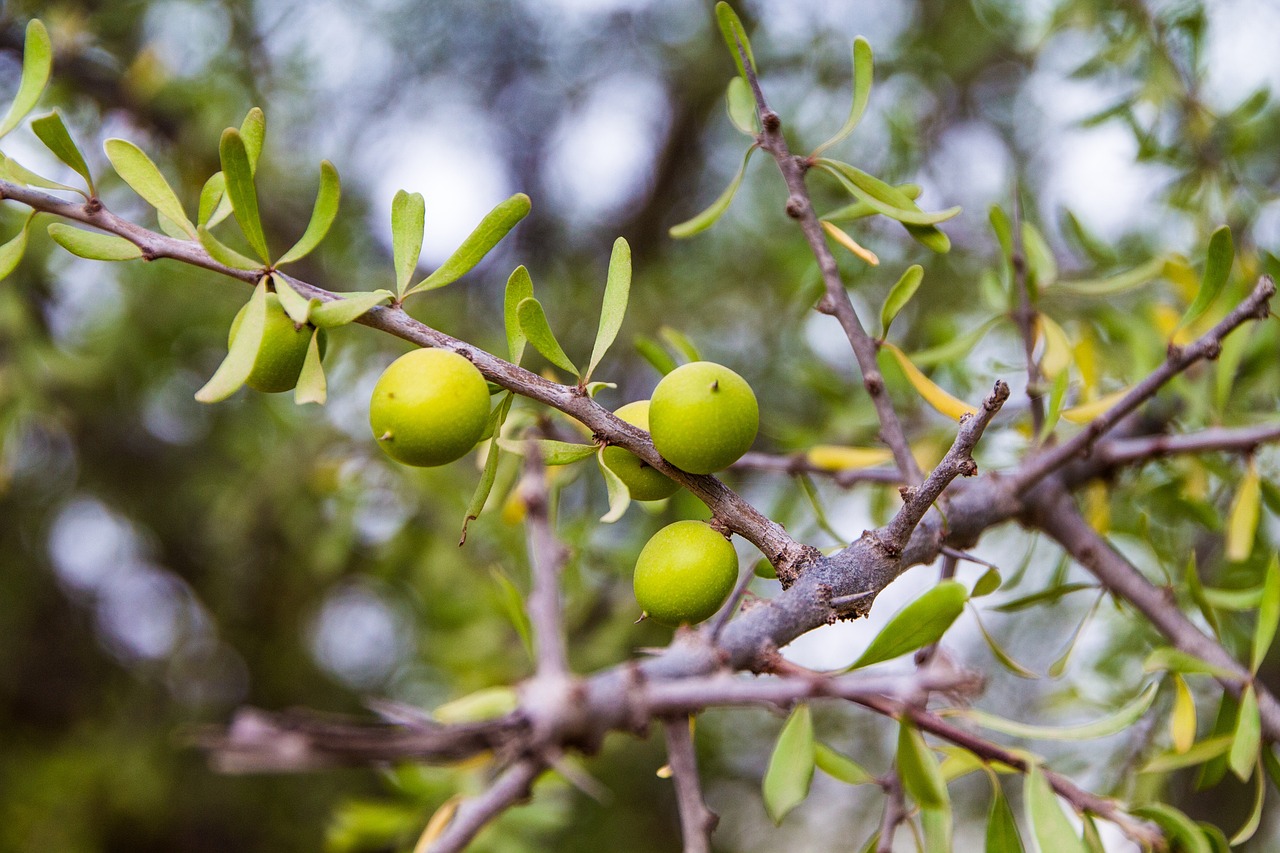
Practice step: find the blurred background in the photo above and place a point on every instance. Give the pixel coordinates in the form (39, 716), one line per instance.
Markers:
(163, 563)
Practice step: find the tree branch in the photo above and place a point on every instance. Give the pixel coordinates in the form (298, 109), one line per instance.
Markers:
(1132, 451)
(798, 464)
(697, 822)
(511, 787)
(546, 559)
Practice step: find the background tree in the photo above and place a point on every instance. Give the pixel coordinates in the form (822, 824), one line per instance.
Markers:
(172, 562)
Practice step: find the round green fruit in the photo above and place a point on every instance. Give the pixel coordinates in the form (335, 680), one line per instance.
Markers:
(685, 573)
(703, 417)
(644, 482)
(283, 350)
(429, 407)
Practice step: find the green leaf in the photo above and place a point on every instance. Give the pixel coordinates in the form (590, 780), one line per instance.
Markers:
(224, 254)
(987, 583)
(51, 130)
(708, 217)
(860, 209)
(311, 387)
(1057, 396)
(519, 288)
(513, 604)
(840, 766)
(862, 75)
(348, 309)
(12, 170)
(741, 106)
(1044, 596)
(1042, 267)
(619, 494)
(954, 348)
(655, 354)
(92, 245)
(408, 219)
(1248, 735)
(322, 215)
(1243, 518)
(920, 623)
(11, 251)
(1268, 614)
(552, 452)
(1199, 753)
(1050, 826)
(1196, 589)
(918, 768)
(253, 130)
(1003, 229)
(485, 704)
(37, 61)
(790, 771)
(617, 290)
(1002, 829)
(1002, 656)
(214, 205)
(1224, 724)
(680, 344)
(1059, 666)
(929, 236)
(936, 824)
(899, 295)
(1118, 283)
(819, 513)
(136, 169)
(244, 196)
(1233, 599)
(886, 199)
(297, 306)
(242, 353)
(1251, 823)
(1177, 826)
(1173, 660)
(734, 35)
(1271, 764)
(496, 224)
(1117, 722)
(533, 322)
(1217, 268)
(481, 495)
(1182, 719)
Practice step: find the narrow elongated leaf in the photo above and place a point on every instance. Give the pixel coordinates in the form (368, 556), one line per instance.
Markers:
(1248, 735)
(1044, 596)
(741, 106)
(1246, 511)
(297, 306)
(829, 457)
(214, 206)
(619, 494)
(1268, 615)
(224, 254)
(242, 353)
(253, 130)
(1254, 820)
(322, 215)
(1182, 720)
(12, 170)
(918, 768)
(513, 604)
(954, 347)
(1234, 599)
(408, 219)
(617, 291)
(863, 70)
(819, 512)
(312, 387)
(1003, 229)
(37, 61)
(1173, 660)
(920, 623)
(1050, 826)
(1196, 589)
(840, 766)
(1042, 267)
(1224, 724)
(533, 321)
(1181, 829)
(899, 295)
(1195, 754)
(786, 781)
(1091, 837)
(439, 821)
(886, 199)
(1059, 666)
(551, 452)
(496, 224)
(1118, 283)
(1057, 394)
(856, 248)
(1057, 346)
(1217, 269)
(1002, 829)
(14, 248)
(51, 130)
(348, 309)
(481, 495)
(655, 354)
(932, 394)
(487, 703)
(1005, 659)
(241, 190)
(519, 288)
(735, 35)
(1117, 722)
(680, 344)
(708, 217)
(142, 176)
(92, 244)
(929, 236)
(1086, 412)
(860, 210)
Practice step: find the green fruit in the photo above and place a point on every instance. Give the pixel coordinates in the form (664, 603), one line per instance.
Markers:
(685, 573)
(283, 350)
(703, 417)
(644, 482)
(429, 407)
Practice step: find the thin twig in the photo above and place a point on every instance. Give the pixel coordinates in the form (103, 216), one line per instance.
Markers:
(1024, 316)
(895, 811)
(1128, 451)
(546, 559)
(697, 822)
(797, 464)
(474, 814)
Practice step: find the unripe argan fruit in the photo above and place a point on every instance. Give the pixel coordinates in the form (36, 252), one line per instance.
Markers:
(429, 407)
(685, 573)
(283, 351)
(703, 417)
(644, 482)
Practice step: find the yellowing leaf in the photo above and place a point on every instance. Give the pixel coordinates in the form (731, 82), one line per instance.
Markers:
(1086, 412)
(933, 395)
(1182, 722)
(1057, 346)
(830, 457)
(1242, 521)
(837, 234)
(437, 824)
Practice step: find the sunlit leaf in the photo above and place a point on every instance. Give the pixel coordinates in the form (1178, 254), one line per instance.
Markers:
(1248, 735)
(15, 247)
(1050, 826)
(1217, 268)
(860, 209)
(856, 248)
(37, 61)
(439, 821)
(214, 206)
(653, 353)
(617, 291)
(1174, 660)
(1057, 394)
(863, 71)
(1057, 346)
(242, 353)
(919, 624)
(619, 494)
(142, 176)
(550, 451)
(90, 244)
(735, 37)
(496, 224)
(1118, 283)
(830, 457)
(322, 215)
(253, 130)
(240, 189)
(786, 781)
(1180, 829)
(918, 768)
(1086, 412)
(51, 130)
(519, 288)
(932, 394)
(708, 217)
(224, 254)
(347, 309)
(1182, 720)
(1197, 753)
(408, 218)
(12, 170)
(1242, 520)
(297, 306)
(899, 295)
(1042, 268)
(312, 387)
(741, 105)
(886, 199)
(533, 321)
(1117, 722)
(680, 344)
(840, 766)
